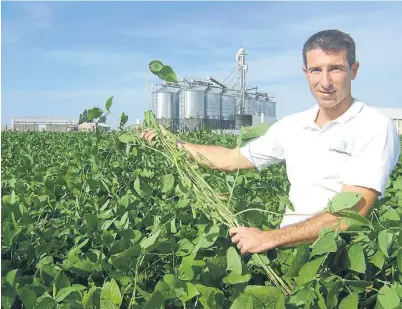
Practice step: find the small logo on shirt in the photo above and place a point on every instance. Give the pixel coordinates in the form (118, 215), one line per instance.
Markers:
(342, 147)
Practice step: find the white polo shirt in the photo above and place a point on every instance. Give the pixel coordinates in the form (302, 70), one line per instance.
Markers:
(359, 148)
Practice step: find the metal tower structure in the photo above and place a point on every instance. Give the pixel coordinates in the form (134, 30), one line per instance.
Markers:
(242, 69)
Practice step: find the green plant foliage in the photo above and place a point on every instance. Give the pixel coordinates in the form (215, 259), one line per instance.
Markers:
(106, 220)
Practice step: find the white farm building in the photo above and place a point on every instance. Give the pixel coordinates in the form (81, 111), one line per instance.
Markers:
(395, 114)
(24, 124)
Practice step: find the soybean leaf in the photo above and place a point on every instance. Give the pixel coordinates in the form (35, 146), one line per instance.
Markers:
(27, 296)
(356, 260)
(270, 296)
(108, 104)
(167, 74)
(324, 244)
(156, 301)
(378, 259)
(354, 218)
(233, 261)
(155, 66)
(384, 241)
(388, 298)
(167, 182)
(111, 291)
(64, 292)
(94, 113)
(399, 261)
(123, 120)
(350, 302)
(235, 278)
(343, 200)
(246, 301)
(254, 131)
(147, 242)
(301, 258)
(308, 272)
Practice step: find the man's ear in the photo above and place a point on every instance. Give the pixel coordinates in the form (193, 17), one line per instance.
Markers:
(355, 68)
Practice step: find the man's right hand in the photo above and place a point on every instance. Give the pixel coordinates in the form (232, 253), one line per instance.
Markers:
(149, 135)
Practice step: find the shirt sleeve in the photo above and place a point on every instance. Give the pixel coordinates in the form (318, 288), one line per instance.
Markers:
(374, 160)
(267, 149)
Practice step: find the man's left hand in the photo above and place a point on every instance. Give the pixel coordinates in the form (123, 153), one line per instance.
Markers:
(252, 240)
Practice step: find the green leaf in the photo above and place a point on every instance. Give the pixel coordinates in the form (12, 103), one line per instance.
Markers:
(388, 298)
(27, 296)
(149, 241)
(94, 113)
(301, 258)
(350, 302)
(254, 131)
(344, 200)
(8, 296)
(309, 270)
(107, 304)
(108, 104)
(155, 66)
(354, 218)
(167, 183)
(326, 243)
(111, 291)
(167, 74)
(127, 138)
(10, 277)
(270, 296)
(46, 303)
(384, 241)
(378, 259)
(64, 292)
(235, 278)
(217, 266)
(333, 291)
(233, 261)
(246, 301)
(123, 120)
(356, 259)
(399, 261)
(157, 301)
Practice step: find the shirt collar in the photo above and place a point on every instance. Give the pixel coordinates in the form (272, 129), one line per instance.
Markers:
(352, 112)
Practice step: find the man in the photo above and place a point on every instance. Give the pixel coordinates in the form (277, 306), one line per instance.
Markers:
(339, 145)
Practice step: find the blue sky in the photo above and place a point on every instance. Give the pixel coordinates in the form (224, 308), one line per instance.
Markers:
(59, 58)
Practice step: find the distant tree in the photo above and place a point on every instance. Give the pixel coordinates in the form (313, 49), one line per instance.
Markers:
(80, 120)
(85, 116)
(102, 119)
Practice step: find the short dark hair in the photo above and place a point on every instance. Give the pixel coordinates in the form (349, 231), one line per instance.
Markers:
(331, 41)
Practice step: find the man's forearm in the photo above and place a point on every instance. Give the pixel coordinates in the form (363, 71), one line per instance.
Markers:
(212, 156)
(307, 231)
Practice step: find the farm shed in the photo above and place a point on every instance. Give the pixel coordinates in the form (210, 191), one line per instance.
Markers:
(395, 114)
(90, 126)
(43, 124)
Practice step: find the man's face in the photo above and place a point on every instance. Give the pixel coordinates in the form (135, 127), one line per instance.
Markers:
(329, 76)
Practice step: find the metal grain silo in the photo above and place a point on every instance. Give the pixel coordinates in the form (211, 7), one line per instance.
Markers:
(194, 103)
(228, 111)
(213, 105)
(272, 108)
(251, 106)
(212, 109)
(167, 108)
(167, 105)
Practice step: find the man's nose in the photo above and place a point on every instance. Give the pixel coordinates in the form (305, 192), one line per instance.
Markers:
(326, 80)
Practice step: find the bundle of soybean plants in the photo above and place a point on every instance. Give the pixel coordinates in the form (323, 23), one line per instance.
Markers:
(212, 203)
